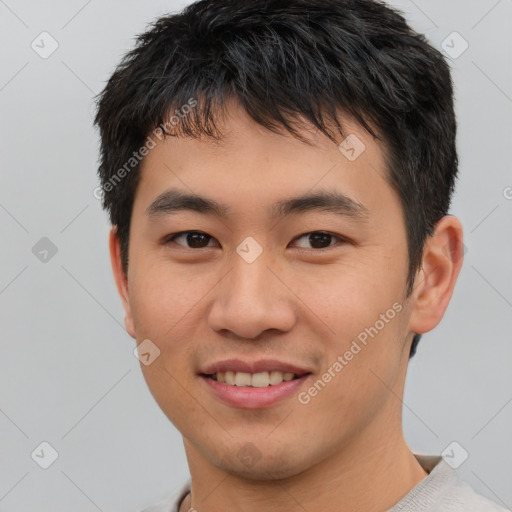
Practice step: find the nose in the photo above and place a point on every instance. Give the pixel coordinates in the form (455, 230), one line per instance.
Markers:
(251, 299)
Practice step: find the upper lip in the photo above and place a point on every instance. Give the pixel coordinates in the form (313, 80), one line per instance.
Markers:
(262, 365)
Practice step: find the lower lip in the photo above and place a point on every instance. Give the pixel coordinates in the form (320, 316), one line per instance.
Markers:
(254, 398)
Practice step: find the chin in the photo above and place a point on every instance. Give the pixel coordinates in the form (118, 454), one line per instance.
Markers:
(265, 463)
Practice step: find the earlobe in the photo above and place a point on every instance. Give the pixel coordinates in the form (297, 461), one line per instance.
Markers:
(442, 260)
(121, 279)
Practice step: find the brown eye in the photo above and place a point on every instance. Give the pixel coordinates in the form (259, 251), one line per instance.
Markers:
(192, 239)
(318, 240)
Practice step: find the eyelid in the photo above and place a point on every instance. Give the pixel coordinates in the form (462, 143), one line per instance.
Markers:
(170, 238)
(340, 238)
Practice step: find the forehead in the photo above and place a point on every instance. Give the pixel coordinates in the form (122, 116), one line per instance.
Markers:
(251, 166)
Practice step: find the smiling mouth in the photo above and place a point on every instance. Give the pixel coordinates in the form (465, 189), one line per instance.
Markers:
(255, 380)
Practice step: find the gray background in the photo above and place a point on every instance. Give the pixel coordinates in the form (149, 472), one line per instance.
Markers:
(67, 372)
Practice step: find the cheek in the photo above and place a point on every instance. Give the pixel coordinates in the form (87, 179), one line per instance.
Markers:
(364, 311)
(163, 295)
(357, 377)
(353, 294)
(163, 307)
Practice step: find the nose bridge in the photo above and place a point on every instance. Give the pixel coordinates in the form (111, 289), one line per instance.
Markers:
(251, 299)
(250, 275)
(251, 279)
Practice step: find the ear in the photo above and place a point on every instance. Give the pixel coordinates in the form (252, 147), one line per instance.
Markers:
(443, 254)
(121, 280)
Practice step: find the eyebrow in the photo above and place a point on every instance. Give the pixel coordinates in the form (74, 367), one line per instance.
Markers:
(174, 200)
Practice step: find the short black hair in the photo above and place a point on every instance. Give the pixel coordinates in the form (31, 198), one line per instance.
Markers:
(281, 59)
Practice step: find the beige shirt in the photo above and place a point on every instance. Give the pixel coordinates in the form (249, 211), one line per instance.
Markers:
(440, 491)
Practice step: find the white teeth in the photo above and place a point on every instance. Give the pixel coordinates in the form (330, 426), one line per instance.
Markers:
(256, 380)
(260, 380)
(242, 379)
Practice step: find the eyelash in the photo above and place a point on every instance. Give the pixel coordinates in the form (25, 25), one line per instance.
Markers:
(340, 239)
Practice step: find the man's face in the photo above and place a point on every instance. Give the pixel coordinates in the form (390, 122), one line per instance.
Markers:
(304, 300)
